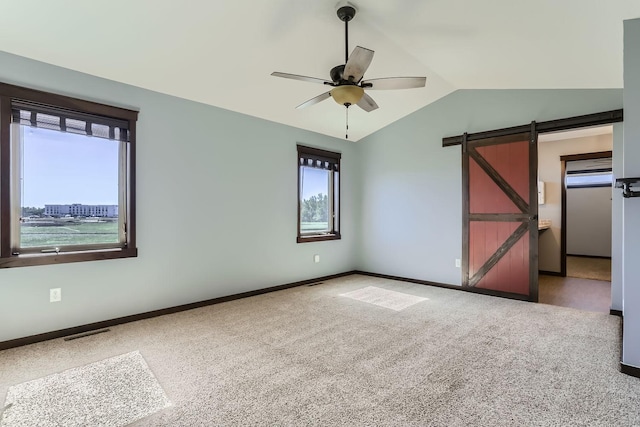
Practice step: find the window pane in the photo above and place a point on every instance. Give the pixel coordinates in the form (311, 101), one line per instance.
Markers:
(69, 189)
(598, 179)
(314, 200)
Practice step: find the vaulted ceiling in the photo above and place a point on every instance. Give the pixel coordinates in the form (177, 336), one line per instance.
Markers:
(221, 52)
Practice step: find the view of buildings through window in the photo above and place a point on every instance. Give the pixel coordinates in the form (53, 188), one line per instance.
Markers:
(68, 182)
(68, 188)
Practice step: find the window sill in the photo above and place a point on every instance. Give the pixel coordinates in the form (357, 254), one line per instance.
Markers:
(63, 258)
(318, 238)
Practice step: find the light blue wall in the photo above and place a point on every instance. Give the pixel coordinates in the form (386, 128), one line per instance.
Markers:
(631, 206)
(216, 200)
(411, 204)
(401, 200)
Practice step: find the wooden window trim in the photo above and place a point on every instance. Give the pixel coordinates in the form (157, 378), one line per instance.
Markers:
(331, 157)
(7, 258)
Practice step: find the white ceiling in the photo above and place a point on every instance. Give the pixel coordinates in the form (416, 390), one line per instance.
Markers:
(221, 52)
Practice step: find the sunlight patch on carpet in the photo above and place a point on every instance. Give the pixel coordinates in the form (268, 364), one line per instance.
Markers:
(384, 298)
(112, 392)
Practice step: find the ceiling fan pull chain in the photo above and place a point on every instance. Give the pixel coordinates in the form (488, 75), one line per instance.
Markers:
(346, 136)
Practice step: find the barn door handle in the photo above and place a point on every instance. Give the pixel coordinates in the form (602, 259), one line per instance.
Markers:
(533, 218)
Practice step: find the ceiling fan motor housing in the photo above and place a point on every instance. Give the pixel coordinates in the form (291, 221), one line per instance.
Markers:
(336, 73)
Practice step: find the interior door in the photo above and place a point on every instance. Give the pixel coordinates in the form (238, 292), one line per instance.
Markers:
(500, 216)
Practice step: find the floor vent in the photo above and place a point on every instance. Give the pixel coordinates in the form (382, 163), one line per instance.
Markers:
(86, 334)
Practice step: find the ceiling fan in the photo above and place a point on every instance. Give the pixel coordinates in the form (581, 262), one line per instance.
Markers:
(348, 88)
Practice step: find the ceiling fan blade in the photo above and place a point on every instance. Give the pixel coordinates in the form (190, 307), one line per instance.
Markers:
(315, 100)
(357, 63)
(367, 103)
(394, 83)
(302, 78)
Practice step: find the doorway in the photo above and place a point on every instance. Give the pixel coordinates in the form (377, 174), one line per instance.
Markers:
(575, 171)
(587, 209)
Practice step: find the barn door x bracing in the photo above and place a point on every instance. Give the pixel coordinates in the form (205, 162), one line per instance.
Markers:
(500, 216)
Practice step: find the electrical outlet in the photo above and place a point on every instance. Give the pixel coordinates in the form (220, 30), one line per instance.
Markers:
(55, 295)
(458, 264)
(316, 258)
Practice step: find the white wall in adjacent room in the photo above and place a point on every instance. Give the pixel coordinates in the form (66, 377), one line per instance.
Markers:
(589, 221)
(550, 172)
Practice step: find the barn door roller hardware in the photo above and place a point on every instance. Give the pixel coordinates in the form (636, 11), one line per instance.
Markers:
(626, 184)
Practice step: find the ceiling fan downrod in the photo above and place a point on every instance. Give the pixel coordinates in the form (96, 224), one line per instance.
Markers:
(346, 11)
(346, 41)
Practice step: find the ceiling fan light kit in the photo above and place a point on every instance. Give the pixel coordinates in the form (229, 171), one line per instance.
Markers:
(346, 79)
(347, 95)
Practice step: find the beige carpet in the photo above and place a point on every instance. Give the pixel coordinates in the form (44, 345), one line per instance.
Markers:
(308, 356)
(589, 268)
(112, 392)
(393, 300)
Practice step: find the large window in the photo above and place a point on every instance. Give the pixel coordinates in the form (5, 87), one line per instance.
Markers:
(318, 195)
(67, 170)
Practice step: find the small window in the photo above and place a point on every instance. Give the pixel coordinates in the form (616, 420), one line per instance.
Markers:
(586, 179)
(67, 159)
(589, 173)
(318, 195)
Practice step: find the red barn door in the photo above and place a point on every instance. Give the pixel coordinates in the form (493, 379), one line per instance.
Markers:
(500, 216)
